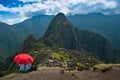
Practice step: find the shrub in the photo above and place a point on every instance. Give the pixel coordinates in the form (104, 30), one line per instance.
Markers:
(58, 56)
(102, 67)
(115, 65)
(80, 65)
(3, 73)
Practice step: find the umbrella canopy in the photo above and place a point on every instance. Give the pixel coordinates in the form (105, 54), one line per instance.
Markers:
(23, 59)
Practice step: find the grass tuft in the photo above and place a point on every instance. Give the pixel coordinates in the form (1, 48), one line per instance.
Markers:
(8, 76)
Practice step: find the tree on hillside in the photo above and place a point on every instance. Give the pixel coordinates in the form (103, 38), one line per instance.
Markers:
(28, 43)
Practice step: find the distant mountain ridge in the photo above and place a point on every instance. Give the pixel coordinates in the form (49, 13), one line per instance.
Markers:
(35, 25)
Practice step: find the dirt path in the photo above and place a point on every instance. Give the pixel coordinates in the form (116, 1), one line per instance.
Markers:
(52, 74)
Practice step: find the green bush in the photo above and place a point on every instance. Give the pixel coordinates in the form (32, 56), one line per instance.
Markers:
(58, 56)
(80, 65)
(3, 73)
(115, 65)
(102, 67)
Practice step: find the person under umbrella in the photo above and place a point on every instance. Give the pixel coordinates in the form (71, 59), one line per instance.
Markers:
(24, 60)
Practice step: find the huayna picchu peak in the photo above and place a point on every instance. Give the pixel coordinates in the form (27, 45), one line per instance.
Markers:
(61, 33)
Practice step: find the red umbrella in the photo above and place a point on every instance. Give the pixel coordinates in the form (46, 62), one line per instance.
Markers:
(23, 59)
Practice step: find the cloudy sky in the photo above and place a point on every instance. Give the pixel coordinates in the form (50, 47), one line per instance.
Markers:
(13, 11)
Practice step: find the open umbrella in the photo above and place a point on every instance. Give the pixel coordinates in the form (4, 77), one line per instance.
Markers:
(24, 59)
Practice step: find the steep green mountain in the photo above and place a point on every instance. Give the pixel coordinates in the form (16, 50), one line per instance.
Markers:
(10, 39)
(62, 34)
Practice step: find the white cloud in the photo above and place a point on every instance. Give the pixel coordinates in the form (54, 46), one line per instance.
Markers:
(55, 6)
(51, 7)
(14, 20)
(110, 5)
(2, 8)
